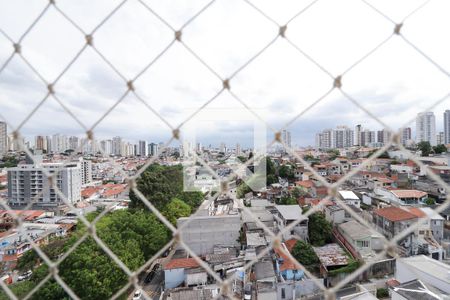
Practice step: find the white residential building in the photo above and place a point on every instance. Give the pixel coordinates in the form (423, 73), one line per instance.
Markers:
(447, 127)
(3, 139)
(357, 137)
(286, 137)
(426, 269)
(86, 171)
(287, 214)
(426, 128)
(341, 137)
(142, 148)
(440, 138)
(28, 183)
(116, 146)
(406, 136)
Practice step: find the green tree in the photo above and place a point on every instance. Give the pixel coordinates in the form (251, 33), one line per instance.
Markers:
(319, 229)
(20, 289)
(242, 158)
(439, 149)
(286, 171)
(193, 199)
(160, 184)
(430, 201)
(382, 293)
(270, 167)
(287, 200)
(271, 179)
(134, 236)
(308, 157)
(333, 153)
(304, 253)
(9, 162)
(176, 209)
(298, 192)
(424, 147)
(242, 189)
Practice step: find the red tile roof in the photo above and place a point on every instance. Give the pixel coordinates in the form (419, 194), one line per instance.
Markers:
(394, 214)
(27, 215)
(322, 191)
(287, 264)
(316, 202)
(409, 193)
(305, 183)
(89, 191)
(417, 212)
(290, 244)
(114, 189)
(181, 263)
(10, 257)
(392, 282)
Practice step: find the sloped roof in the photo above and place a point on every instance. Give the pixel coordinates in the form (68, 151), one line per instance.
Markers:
(394, 214)
(409, 193)
(181, 263)
(305, 183)
(417, 212)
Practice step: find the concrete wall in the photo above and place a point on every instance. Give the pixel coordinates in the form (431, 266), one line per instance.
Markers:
(203, 233)
(302, 288)
(335, 217)
(437, 226)
(173, 278)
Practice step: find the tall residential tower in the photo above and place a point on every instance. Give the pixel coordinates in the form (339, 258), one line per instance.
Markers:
(426, 128)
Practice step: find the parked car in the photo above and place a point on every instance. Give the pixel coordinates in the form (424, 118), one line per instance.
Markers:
(25, 276)
(248, 291)
(137, 295)
(152, 273)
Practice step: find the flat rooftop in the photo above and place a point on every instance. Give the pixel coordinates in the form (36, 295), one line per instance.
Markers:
(432, 267)
(348, 195)
(289, 212)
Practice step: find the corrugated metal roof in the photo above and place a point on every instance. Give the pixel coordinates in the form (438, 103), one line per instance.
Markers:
(331, 255)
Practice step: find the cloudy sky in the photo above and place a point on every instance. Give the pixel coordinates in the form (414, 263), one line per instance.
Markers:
(394, 83)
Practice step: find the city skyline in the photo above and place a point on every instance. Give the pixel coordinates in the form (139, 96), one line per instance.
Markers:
(294, 139)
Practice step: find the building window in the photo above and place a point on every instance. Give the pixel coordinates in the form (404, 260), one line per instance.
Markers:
(362, 244)
(283, 293)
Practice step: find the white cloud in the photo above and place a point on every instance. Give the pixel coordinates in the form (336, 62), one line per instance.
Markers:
(394, 83)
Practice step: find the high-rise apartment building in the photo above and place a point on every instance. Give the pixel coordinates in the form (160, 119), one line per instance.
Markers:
(142, 148)
(28, 183)
(323, 139)
(48, 143)
(440, 138)
(39, 143)
(3, 139)
(223, 148)
(238, 150)
(357, 137)
(73, 143)
(447, 127)
(406, 135)
(286, 137)
(383, 136)
(86, 171)
(368, 137)
(341, 137)
(426, 128)
(116, 145)
(153, 149)
(59, 143)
